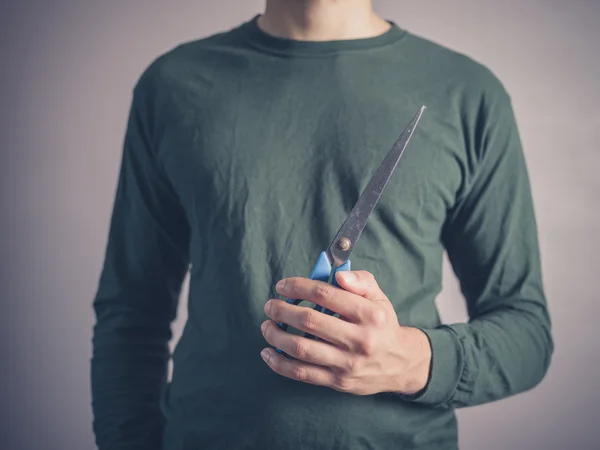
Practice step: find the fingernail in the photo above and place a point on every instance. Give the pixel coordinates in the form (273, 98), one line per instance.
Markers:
(267, 307)
(280, 286)
(265, 355)
(348, 277)
(263, 327)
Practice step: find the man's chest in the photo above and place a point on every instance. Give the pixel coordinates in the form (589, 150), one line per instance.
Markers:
(289, 154)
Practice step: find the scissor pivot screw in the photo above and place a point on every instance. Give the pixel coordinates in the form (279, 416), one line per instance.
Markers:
(344, 243)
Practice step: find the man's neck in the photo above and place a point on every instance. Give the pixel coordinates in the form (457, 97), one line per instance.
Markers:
(321, 20)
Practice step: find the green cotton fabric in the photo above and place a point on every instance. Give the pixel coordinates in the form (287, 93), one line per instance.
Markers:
(243, 155)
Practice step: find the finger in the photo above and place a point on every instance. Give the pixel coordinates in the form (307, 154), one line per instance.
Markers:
(360, 282)
(340, 333)
(298, 370)
(345, 303)
(302, 348)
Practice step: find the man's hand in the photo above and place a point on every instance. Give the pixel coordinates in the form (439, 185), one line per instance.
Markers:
(364, 352)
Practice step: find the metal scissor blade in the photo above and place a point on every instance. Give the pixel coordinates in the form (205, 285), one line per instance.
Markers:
(342, 245)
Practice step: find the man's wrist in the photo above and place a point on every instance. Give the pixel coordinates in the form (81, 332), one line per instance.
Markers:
(414, 376)
(419, 369)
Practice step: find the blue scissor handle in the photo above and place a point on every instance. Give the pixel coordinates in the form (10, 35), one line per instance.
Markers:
(320, 272)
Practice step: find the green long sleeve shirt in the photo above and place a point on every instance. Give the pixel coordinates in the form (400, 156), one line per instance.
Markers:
(242, 157)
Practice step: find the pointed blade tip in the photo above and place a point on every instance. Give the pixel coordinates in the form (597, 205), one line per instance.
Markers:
(421, 111)
(415, 120)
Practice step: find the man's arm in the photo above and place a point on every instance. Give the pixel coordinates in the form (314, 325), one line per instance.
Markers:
(492, 243)
(491, 238)
(145, 263)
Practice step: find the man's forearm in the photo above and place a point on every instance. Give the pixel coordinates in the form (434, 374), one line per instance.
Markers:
(129, 369)
(496, 355)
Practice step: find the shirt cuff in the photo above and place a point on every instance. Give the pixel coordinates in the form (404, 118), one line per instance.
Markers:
(447, 365)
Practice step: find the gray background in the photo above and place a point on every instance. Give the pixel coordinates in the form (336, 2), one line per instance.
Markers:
(66, 73)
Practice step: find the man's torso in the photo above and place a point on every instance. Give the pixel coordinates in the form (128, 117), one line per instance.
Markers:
(268, 154)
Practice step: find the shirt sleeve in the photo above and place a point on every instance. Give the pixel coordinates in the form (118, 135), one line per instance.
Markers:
(492, 244)
(145, 264)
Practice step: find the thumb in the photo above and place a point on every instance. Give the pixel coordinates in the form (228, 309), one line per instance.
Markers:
(360, 282)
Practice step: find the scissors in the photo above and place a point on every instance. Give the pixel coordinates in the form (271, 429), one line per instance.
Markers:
(337, 256)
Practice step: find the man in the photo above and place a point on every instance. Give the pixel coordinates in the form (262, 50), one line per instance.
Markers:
(243, 154)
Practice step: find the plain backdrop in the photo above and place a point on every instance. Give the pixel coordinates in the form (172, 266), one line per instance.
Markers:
(66, 72)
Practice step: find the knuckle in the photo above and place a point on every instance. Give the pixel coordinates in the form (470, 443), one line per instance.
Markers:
(300, 374)
(351, 364)
(343, 384)
(377, 316)
(366, 345)
(300, 349)
(322, 291)
(310, 320)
